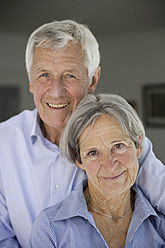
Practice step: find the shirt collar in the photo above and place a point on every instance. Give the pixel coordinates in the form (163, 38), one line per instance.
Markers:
(142, 206)
(78, 207)
(76, 201)
(36, 134)
(36, 130)
(142, 210)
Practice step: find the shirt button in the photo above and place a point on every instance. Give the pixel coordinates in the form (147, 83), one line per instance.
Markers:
(58, 187)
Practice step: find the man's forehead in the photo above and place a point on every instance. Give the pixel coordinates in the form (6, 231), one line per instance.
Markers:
(52, 48)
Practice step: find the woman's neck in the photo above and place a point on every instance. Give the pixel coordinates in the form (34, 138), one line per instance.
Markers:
(113, 230)
(114, 206)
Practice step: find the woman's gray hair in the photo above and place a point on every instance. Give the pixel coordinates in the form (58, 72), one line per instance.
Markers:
(88, 110)
(55, 35)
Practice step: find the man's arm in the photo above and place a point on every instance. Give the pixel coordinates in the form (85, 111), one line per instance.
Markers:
(7, 236)
(151, 177)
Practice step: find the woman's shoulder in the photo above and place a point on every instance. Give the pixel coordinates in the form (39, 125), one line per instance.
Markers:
(147, 224)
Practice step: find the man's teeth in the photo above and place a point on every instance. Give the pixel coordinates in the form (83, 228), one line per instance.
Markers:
(57, 105)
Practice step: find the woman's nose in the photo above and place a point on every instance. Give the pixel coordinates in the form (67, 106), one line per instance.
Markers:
(110, 161)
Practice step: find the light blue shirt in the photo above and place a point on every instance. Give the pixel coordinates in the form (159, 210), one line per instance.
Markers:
(33, 176)
(70, 224)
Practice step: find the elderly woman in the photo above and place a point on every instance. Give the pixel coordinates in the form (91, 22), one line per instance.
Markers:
(104, 136)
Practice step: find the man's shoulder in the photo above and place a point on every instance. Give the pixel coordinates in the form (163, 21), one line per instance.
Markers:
(23, 118)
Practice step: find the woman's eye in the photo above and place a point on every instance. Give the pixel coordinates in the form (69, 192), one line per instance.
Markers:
(92, 153)
(119, 146)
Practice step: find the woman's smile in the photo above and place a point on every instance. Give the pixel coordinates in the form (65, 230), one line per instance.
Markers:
(118, 176)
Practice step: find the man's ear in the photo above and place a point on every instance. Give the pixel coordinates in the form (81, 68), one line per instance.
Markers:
(30, 85)
(95, 80)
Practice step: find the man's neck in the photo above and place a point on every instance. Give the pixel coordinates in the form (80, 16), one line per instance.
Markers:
(50, 133)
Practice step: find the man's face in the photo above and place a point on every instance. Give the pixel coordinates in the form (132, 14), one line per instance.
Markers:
(58, 81)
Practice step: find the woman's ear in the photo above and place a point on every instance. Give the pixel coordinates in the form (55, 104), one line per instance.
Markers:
(140, 148)
(79, 163)
(139, 151)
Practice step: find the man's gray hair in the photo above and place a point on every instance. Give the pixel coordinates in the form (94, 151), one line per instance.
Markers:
(56, 35)
(88, 110)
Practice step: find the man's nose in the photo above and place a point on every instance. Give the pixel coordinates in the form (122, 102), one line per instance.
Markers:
(57, 88)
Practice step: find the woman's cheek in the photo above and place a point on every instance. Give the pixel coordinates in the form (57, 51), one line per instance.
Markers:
(92, 168)
(129, 160)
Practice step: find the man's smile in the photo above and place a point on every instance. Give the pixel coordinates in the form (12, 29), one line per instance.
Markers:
(61, 105)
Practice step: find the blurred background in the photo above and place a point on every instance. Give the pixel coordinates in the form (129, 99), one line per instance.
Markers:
(131, 34)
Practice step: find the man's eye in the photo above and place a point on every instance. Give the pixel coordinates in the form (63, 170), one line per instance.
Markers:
(44, 75)
(70, 76)
(45, 78)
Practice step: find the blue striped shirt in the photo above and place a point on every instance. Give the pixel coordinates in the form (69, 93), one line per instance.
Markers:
(70, 224)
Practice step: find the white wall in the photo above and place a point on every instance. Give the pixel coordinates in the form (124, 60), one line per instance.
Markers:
(128, 62)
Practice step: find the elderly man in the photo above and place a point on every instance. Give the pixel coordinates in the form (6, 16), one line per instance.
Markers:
(62, 61)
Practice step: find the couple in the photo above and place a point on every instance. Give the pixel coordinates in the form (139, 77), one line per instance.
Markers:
(62, 62)
(104, 137)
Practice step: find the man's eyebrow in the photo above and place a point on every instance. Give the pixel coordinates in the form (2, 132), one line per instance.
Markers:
(39, 70)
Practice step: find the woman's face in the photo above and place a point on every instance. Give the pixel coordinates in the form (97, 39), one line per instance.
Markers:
(109, 157)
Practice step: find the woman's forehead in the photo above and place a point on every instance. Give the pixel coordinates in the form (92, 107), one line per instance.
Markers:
(105, 128)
